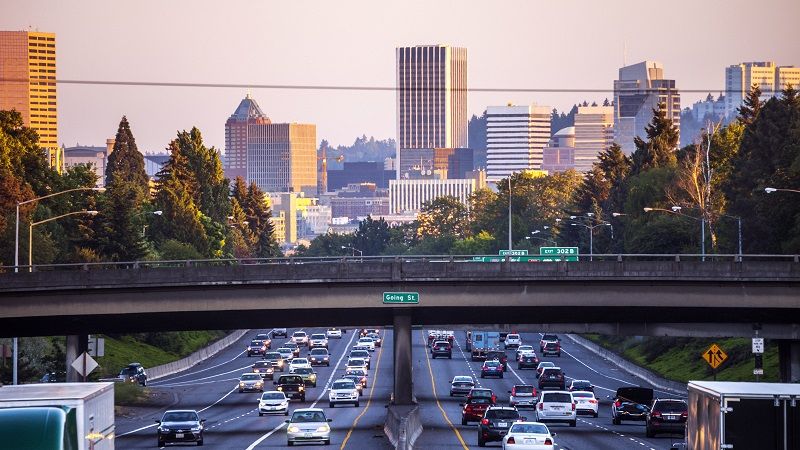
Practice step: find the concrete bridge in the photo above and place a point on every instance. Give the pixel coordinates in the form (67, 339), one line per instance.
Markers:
(619, 294)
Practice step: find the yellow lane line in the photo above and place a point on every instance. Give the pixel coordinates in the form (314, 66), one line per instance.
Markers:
(436, 397)
(371, 390)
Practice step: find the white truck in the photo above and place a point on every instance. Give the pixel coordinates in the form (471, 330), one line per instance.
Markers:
(58, 416)
(741, 416)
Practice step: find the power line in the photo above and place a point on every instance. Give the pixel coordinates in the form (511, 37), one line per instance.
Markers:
(308, 87)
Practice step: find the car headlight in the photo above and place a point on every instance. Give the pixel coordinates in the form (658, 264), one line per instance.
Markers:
(302, 388)
(293, 429)
(324, 429)
(195, 429)
(258, 383)
(163, 429)
(241, 384)
(280, 388)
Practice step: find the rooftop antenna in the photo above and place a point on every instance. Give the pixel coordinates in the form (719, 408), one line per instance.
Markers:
(624, 53)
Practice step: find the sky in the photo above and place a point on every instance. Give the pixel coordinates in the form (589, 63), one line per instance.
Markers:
(510, 44)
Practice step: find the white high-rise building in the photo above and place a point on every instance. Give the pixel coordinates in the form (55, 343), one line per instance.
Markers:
(594, 133)
(771, 79)
(408, 196)
(431, 97)
(638, 91)
(515, 137)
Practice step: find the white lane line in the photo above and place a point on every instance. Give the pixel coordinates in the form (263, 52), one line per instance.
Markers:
(469, 366)
(327, 384)
(198, 380)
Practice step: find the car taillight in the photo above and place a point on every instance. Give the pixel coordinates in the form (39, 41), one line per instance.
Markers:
(617, 403)
(656, 414)
(511, 440)
(592, 401)
(548, 441)
(573, 406)
(541, 406)
(485, 422)
(684, 414)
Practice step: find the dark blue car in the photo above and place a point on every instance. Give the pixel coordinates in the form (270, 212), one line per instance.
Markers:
(492, 369)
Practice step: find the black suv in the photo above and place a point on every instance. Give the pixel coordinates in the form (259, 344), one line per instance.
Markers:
(631, 403)
(441, 348)
(292, 386)
(495, 423)
(552, 378)
(667, 416)
(134, 373)
(499, 355)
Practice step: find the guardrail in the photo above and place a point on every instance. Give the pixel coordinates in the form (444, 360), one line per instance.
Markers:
(403, 426)
(167, 369)
(620, 257)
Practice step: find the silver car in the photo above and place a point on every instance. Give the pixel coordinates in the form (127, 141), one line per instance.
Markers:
(272, 402)
(461, 385)
(308, 425)
(251, 382)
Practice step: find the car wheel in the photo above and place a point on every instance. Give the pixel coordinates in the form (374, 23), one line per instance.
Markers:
(482, 376)
(286, 413)
(501, 374)
(595, 415)
(451, 394)
(356, 403)
(481, 442)
(331, 405)
(463, 421)
(260, 414)
(327, 442)
(649, 433)
(574, 423)
(289, 443)
(160, 443)
(240, 391)
(303, 398)
(616, 421)
(449, 356)
(200, 442)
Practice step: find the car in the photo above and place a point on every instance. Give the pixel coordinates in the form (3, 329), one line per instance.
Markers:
(180, 425)
(666, 416)
(585, 403)
(272, 402)
(552, 348)
(367, 341)
(581, 385)
(527, 360)
(556, 406)
(334, 333)
(442, 348)
(503, 336)
(376, 337)
(294, 347)
(308, 425)
(498, 355)
(264, 368)
(279, 332)
(495, 423)
(367, 331)
(276, 359)
(543, 365)
(133, 373)
(265, 337)
(318, 340)
(356, 363)
(361, 373)
(482, 393)
(308, 375)
(357, 380)
(524, 350)
(529, 436)
(319, 356)
(474, 408)
(461, 385)
(256, 347)
(251, 382)
(552, 378)
(299, 362)
(362, 354)
(548, 338)
(53, 377)
(523, 396)
(292, 386)
(358, 346)
(492, 369)
(513, 341)
(631, 403)
(286, 353)
(343, 391)
(300, 338)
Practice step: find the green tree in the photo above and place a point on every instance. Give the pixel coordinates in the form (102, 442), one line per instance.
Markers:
(329, 244)
(444, 216)
(372, 236)
(481, 244)
(751, 106)
(659, 150)
(125, 161)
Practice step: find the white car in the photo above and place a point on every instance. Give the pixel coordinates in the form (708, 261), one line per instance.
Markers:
(356, 363)
(308, 425)
(298, 363)
(286, 353)
(525, 350)
(585, 403)
(300, 338)
(318, 340)
(272, 402)
(556, 406)
(368, 342)
(528, 436)
(343, 391)
(334, 333)
(513, 341)
(362, 354)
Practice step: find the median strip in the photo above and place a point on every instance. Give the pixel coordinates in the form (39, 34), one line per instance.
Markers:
(369, 400)
(436, 397)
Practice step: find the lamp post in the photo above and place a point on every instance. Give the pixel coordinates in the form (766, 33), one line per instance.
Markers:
(509, 213)
(157, 213)
(770, 190)
(33, 224)
(543, 239)
(591, 234)
(354, 250)
(677, 211)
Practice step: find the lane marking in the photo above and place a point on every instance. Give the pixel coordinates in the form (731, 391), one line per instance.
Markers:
(436, 397)
(327, 384)
(369, 400)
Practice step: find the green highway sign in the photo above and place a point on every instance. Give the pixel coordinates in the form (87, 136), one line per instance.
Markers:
(513, 252)
(540, 258)
(401, 297)
(558, 251)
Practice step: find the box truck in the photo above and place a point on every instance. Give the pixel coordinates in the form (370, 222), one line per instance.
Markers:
(62, 416)
(743, 416)
(482, 342)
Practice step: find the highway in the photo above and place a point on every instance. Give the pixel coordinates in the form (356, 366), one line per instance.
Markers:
(233, 421)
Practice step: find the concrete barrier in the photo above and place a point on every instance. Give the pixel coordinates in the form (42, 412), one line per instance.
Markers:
(164, 370)
(403, 426)
(633, 369)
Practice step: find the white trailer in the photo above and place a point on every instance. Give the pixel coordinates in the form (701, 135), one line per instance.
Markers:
(89, 405)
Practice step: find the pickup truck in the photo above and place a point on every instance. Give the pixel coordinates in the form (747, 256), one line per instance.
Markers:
(292, 386)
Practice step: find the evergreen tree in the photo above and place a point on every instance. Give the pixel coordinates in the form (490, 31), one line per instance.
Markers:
(751, 106)
(606, 102)
(662, 142)
(125, 161)
(444, 215)
(210, 187)
(372, 236)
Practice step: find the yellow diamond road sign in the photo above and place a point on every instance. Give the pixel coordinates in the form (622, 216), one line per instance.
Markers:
(714, 356)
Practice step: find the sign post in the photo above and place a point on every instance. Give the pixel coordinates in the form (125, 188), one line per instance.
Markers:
(714, 356)
(758, 351)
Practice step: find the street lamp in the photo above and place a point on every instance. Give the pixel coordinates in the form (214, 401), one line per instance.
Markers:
(677, 211)
(543, 239)
(360, 253)
(770, 190)
(616, 214)
(509, 213)
(591, 234)
(144, 227)
(33, 224)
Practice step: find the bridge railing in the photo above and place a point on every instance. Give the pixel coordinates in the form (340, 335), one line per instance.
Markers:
(473, 259)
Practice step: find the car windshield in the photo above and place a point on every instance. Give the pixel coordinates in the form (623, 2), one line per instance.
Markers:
(251, 376)
(551, 345)
(261, 364)
(502, 414)
(551, 372)
(512, 336)
(290, 380)
(180, 416)
(272, 356)
(284, 350)
(583, 394)
(550, 337)
(308, 416)
(273, 396)
(128, 371)
(317, 336)
(556, 397)
(355, 362)
(256, 343)
(480, 401)
(525, 347)
(533, 428)
(299, 334)
(670, 407)
(523, 389)
(492, 364)
(359, 372)
(319, 351)
(303, 370)
(462, 380)
(481, 393)
(343, 385)
(298, 361)
(546, 364)
(359, 354)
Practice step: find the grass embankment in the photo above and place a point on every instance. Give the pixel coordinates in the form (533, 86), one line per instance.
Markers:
(680, 359)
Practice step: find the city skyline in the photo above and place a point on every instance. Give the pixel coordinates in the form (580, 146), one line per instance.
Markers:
(205, 46)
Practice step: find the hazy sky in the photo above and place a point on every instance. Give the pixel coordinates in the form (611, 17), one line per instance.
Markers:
(510, 44)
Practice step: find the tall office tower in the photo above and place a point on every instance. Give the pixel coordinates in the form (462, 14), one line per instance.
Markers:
(431, 97)
(515, 138)
(638, 91)
(278, 157)
(594, 133)
(28, 85)
(771, 79)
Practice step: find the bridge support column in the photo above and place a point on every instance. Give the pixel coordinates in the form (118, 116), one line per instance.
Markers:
(789, 360)
(403, 385)
(76, 345)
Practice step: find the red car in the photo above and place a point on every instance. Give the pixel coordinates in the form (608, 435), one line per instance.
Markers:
(474, 409)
